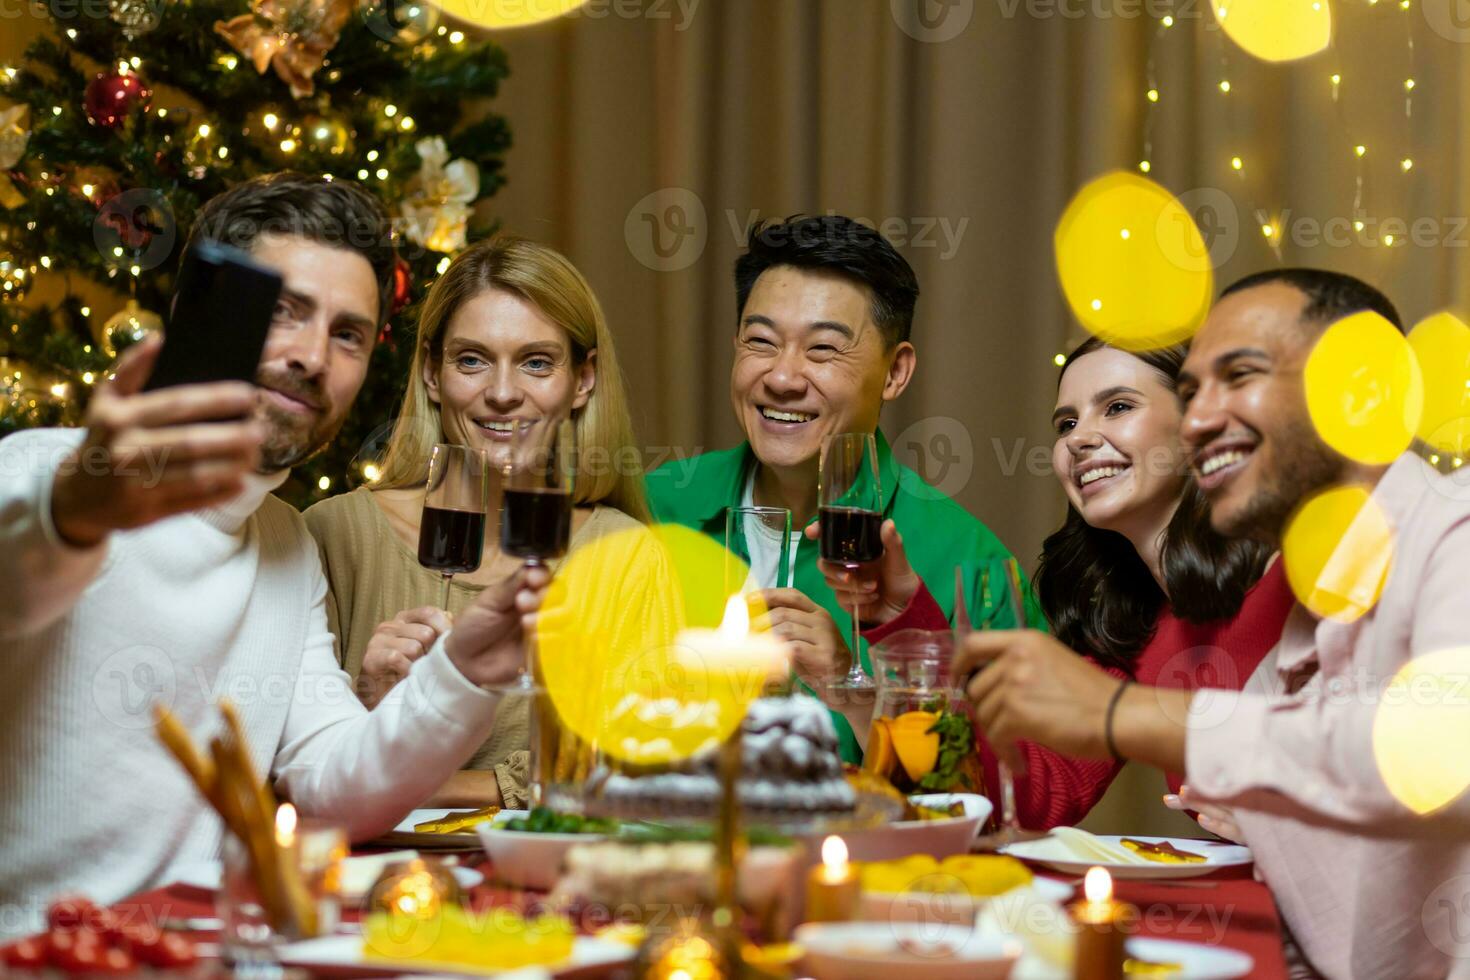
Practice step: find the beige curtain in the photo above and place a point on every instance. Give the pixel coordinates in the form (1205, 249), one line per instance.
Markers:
(961, 127)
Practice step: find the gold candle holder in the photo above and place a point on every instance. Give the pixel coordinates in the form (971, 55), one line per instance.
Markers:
(1100, 929)
(833, 888)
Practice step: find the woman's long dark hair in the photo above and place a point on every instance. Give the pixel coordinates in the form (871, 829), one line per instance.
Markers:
(1098, 594)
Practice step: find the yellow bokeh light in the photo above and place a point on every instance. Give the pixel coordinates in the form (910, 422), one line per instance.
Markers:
(614, 650)
(1276, 30)
(1338, 548)
(1441, 343)
(496, 14)
(1420, 729)
(1364, 389)
(1148, 289)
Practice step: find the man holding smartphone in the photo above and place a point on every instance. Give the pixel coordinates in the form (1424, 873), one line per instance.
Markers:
(155, 567)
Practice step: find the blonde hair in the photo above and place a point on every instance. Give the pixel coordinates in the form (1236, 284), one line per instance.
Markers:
(610, 469)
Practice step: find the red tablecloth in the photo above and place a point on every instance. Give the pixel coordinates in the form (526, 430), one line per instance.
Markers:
(1233, 910)
(1237, 912)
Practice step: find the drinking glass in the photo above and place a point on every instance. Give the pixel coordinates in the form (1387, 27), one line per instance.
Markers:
(452, 530)
(247, 935)
(850, 508)
(771, 524)
(538, 481)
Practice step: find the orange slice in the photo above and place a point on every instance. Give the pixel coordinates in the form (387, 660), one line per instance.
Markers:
(916, 746)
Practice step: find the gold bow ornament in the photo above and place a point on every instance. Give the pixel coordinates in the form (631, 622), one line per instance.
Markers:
(293, 36)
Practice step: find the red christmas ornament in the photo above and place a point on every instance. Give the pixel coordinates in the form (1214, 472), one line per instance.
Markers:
(402, 283)
(113, 95)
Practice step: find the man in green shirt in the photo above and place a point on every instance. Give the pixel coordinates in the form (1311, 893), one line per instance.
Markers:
(825, 307)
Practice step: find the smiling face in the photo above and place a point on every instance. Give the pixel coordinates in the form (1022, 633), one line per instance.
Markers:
(1117, 453)
(316, 354)
(505, 364)
(1246, 426)
(810, 362)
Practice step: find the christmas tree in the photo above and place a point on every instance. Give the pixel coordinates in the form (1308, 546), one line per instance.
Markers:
(115, 129)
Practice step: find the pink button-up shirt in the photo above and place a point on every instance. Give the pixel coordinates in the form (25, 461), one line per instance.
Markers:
(1368, 888)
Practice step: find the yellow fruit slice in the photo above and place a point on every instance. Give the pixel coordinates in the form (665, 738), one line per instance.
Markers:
(916, 746)
(987, 875)
(897, 876)
(879, 758)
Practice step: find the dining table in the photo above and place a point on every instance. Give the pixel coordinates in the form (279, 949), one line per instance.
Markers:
(1228, 908)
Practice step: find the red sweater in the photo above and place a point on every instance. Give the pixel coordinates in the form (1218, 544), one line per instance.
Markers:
(1057, 790)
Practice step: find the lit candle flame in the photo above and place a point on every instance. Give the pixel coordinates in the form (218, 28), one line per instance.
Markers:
(736, 623)
(285, 825)
(834, 857)
(1098, 885)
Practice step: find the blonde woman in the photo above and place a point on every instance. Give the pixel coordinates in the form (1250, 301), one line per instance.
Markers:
(511, 332)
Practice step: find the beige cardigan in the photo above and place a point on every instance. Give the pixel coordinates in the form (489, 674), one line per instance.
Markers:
(373, 575)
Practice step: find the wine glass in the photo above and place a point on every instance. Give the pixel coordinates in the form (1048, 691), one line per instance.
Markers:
(1000, 588)
(452, 529)
(850, 508)
(538, 481)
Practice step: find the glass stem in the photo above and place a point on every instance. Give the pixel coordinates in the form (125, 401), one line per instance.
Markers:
(444, 601)
(857, 634)
(1008, 816)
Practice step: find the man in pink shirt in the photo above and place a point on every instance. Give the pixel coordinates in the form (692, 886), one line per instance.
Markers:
(1368, 887)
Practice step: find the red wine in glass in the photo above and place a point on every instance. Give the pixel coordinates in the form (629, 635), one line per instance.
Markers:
(850, 536)
(850, 506)
(536, 524)
(452, 526)
(451, 542)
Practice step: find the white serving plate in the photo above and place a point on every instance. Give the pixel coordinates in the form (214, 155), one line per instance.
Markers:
(404, 835)
(859, 951)
(1054, 854)
(1196, 960)
(346, 953)
(932, 907)
(358, 874)
(528, 860)
(941, 838)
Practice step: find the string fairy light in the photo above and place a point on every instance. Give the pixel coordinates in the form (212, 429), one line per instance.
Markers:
(1152, 96)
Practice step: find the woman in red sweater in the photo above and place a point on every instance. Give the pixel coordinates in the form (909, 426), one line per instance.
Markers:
(1135, 575)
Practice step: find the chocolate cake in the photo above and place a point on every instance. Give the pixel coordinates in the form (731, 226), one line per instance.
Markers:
(791, 766)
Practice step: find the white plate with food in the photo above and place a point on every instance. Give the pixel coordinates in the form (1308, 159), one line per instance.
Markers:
(407, 834)
(531, 858)
(1073, 851)
(941, 837)
(937, 900)
(347, 953)
(857, 951)
(1187, 961)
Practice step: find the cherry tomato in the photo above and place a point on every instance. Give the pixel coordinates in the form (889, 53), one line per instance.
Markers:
(174, 950)
(106, 923)
(70, 912)
(142, 940)
(116, 960)
(75, 951)
(28, 954)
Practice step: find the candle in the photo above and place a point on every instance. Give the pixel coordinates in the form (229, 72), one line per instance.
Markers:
(286, 826)
(747, 659)
(832, 888)
(1100, 932)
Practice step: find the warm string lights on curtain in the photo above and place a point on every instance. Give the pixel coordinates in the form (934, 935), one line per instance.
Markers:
(1228, 90)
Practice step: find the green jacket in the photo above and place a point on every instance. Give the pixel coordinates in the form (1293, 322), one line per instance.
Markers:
(938, 535)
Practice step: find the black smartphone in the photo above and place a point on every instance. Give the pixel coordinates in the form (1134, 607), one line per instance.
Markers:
(221, 313)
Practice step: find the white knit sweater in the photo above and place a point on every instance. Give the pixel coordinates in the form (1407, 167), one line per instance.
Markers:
(223, 602)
